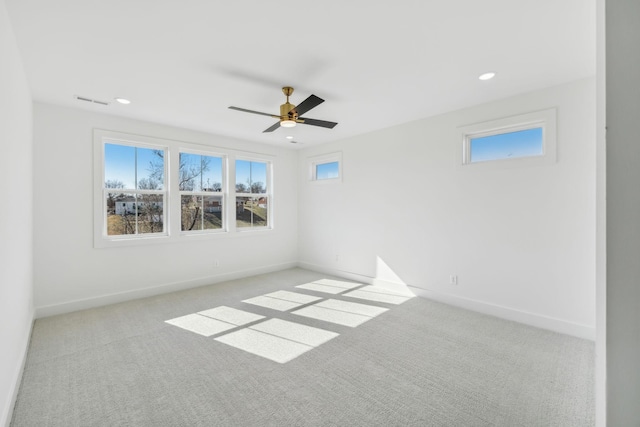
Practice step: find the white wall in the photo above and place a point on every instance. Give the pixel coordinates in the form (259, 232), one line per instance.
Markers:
(16, 284)
(520, 240)
(623, 212)
(601, 222)
(70, 274)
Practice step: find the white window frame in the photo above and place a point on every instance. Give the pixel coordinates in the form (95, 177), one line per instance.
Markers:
(223, 192)
(314, 161)
(545, 119)
(172, 201)
(101, 239)
(268, 194)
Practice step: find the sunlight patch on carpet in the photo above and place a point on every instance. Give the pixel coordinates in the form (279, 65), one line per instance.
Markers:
(231, 315)
(265, 345)
(322, 288)
(293, 296)
(303, 334)
(200, 325)
(272, 303)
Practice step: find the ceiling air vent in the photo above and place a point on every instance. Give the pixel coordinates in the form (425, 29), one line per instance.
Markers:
(94, 101)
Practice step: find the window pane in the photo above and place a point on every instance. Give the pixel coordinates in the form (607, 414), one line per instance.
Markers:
(251, 177)
(258, 177)
(200, 173)
(134, 214)
(120, 214)
(251, 211)
(212, 212)
(150, 168)
(201, 212)
(191, 212)
(243, 173)
(150, 213)
(133, 167)
(119, 166)
(212, 175)
(523, 143)
(327, 170)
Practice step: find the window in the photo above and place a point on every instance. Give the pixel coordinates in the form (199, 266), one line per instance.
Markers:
(326, 168)
(527, 138)
(201, 192)
(252, 194)
(149, 190)
(519, 143)
(133, 189)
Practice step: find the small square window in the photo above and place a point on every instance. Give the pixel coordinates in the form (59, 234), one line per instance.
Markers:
(326, 168)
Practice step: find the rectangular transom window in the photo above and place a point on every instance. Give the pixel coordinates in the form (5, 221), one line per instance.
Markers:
(519, 143)
(252, 194)
(527, 138)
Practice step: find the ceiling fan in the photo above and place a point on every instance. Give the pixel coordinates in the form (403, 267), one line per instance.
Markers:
(290, 114)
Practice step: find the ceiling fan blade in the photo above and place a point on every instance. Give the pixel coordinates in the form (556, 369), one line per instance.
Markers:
(321, 123)
(254, 112)
(275, 126)
(311, 102)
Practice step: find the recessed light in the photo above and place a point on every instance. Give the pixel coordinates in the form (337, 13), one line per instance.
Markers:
(289, 137)
(123, 101)
(487, 76)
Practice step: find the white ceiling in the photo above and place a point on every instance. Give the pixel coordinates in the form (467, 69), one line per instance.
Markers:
(376, 63)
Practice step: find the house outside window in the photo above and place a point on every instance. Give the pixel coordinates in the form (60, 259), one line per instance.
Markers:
(133, 189)
(149, 190)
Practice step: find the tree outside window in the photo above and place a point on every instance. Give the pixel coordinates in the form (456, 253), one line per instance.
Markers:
(252, 197)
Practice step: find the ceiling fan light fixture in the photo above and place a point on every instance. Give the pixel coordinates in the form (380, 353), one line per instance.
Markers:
(287, 123)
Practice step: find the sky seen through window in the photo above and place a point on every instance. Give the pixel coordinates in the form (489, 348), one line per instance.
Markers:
(522, 143)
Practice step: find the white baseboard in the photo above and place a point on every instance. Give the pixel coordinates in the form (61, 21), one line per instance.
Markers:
(7, 411)
(338, 273)
(531, 319)
(82, 304)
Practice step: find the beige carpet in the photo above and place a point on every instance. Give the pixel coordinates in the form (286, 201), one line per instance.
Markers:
(348, 357)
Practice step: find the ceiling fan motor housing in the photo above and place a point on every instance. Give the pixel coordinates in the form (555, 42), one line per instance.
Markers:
(285, 109)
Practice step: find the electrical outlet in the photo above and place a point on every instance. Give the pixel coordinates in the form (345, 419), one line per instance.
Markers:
(453, 279)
